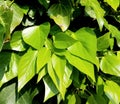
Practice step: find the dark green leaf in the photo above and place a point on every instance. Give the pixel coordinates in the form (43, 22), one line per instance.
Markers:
(2, 31)
(8, 94)
(50, 88)
(96, 99)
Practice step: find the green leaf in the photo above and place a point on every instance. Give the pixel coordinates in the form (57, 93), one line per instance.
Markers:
(82, 65)
(96, 99)
(6, 19)
(110, 64)
(26, 68)
(61, 15)
(16, 43)
(103, 42)
(112, 91)
(113, 3)
(44, 55)
(99, 12)
(115, 33)
(27, 96)
(8, 94)
(45, 3)
(71, 99)
(59, 68)
(86, 46)
(42, 73)
(5, 58)
(2, 31)
(12, 70)
(62, 40)
(50, 88)
(35, 36)
(17, 16)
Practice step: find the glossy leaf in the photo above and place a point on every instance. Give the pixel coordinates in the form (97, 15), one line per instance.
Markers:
(35, 36)
(61, 15)
(82, 65)
(17, 16)
(62, 40)
(59, 67)
(86, 46)
(42, 73)
(112, 91)
(110, 64)
(7, 94)
(113, 3)
(12, 69)
(50, 88)
(99, 12)
(16, 43)
(26, 68)
(44, 55)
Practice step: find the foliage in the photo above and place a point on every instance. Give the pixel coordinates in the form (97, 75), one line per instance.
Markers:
(59, 51)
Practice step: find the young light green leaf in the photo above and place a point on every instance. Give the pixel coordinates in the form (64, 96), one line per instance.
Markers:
(113, 3)
(58, 65)
(59, 68)
(110, 64)
(62, 40)
(35, 36)
(42, 73)
(26, 68)
(71, 99)
(16, 42)
(82, 65)
(112, 91)
(61, 15)
(17, 16)
(86, 46)
(115, 32)
(50, 88)
(103, 42)
(44, 55)
(8, 94)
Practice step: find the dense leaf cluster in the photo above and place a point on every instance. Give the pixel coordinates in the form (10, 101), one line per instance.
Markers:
(59, 51)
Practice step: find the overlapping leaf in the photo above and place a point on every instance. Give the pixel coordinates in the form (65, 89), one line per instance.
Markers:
(26, 68)
(86, 46)
(35, 36)
(110, 64)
